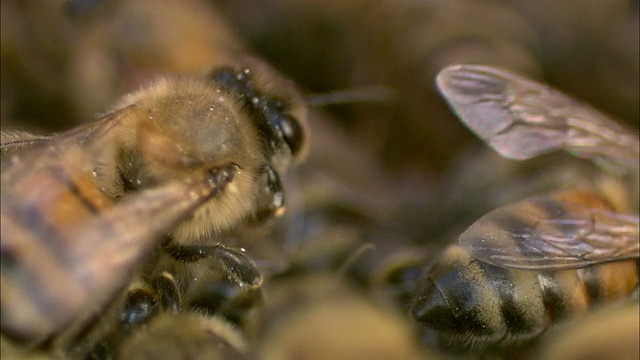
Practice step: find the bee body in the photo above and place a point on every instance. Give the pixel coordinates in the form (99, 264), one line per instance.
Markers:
(524, 267)
(66, 246)
(85, 209)
(466, 303)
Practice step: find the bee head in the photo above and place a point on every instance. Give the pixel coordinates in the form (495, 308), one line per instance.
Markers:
(274, 108)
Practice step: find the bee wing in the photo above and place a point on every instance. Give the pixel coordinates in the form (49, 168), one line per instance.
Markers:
(14, 140)
(100, 252)
(521, 119)
(550, 232)
(18, 142)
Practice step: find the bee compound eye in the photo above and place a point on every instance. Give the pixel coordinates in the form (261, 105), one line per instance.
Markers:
(291, 132)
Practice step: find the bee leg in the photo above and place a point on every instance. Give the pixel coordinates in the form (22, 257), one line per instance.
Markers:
(271, 195)
(236, 264)
(141, 305)
(168, 291)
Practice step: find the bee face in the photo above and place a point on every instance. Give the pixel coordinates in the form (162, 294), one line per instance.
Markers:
(225, 118)
(523, 267)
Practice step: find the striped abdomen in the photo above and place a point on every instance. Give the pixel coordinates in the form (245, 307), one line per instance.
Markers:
(42, 205)
(465, 303)
(67, 248)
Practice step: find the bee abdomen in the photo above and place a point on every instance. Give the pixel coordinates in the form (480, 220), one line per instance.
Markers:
(464, 303)
(570, 293)
(37, 250)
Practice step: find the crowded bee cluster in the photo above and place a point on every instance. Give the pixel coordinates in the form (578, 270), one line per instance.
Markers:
(281, 179)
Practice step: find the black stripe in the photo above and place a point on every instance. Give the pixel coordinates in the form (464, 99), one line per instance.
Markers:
(590, 277)
(551, 206)
(28, 217)
(33, 279)
(552, 295)
(75, 190)
(461, 294)
(515, 319)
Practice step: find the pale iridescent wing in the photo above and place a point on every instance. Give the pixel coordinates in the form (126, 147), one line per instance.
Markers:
(17, 140)
(566, 230)
(59, 228)
(521, 119)
(56, 226)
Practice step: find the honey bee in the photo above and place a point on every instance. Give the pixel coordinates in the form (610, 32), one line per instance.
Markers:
(585, 338)
(154, 323)
(83, 209)
(523, 267)
(56, 225)
(185, 336)
(320, 316)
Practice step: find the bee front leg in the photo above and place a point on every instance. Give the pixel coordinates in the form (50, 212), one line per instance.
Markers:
(271, 195)
(235, 263)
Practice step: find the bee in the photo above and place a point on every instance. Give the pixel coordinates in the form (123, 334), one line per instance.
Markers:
(185, 336)
(83, 209)
(320, 316)
(523, 267)
(154, 323)
(56, 226)
(585, 338)
(160, 311)
(351, 49)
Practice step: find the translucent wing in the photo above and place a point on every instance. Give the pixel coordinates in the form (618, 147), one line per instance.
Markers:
(14, 140)
(42, 150)
(58, 228)
(521, 119)
(566, 230)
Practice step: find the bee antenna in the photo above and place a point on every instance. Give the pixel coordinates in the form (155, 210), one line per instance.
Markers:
(366, 94)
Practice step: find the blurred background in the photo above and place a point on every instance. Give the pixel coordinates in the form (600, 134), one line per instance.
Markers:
(64, 62)
(394, 167)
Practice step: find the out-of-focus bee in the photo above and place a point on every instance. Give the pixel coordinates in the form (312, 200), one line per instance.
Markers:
(321, 317)
(205, 151)
(608, 333)
(523, 267)
(66, 248)
(90, 52)
(154, 322)
(184, 336)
